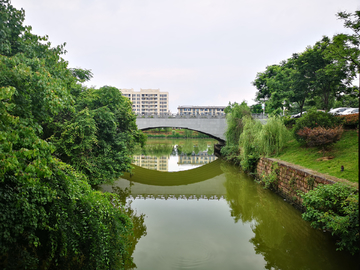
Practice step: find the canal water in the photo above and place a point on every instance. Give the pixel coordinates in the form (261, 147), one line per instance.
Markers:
(194, 211)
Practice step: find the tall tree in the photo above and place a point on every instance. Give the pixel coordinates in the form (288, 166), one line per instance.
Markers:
(325, 77)
(261, 82)
(345, 47)
(234, 114)
(50, 216)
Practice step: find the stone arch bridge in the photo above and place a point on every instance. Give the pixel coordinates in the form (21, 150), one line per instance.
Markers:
(214, 126)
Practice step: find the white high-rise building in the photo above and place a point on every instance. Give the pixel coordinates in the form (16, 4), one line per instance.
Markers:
(148, 101)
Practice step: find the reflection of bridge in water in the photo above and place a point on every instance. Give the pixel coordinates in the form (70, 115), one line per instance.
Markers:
(200, 158)
(205, 182)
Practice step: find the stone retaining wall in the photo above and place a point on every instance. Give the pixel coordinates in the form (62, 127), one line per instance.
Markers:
(290, 178)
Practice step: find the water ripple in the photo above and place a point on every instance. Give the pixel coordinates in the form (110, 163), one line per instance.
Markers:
(187, 254)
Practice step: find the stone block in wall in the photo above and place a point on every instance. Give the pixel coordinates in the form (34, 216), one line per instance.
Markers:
(293, 177)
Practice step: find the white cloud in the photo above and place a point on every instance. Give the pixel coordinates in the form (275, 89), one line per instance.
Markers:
(192, 49)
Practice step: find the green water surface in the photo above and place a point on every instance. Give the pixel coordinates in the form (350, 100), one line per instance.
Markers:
(213, 216)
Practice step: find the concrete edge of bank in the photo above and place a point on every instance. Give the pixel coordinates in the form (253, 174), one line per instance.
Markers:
(291, 178)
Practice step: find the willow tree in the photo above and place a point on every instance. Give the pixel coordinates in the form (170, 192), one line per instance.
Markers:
(234, 114)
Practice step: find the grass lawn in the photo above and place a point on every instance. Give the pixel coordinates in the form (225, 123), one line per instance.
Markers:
(343, 153)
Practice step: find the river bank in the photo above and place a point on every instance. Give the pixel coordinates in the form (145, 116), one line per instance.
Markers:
(327, 205)
(215, 216)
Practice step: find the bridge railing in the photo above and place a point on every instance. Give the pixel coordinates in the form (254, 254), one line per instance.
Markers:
(178, 116)
(198, 116)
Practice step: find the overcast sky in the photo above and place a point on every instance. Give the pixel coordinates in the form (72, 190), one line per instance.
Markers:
(203, 52)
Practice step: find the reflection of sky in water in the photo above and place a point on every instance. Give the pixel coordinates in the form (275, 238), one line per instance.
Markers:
(173, 165)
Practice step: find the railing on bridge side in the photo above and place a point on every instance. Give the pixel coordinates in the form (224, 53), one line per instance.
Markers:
(198, 116)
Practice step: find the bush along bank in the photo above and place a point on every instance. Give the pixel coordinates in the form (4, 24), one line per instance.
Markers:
(174, 133)
(57, 138)
(329, 203)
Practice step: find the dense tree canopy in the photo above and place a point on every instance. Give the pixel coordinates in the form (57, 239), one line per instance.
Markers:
(234, 114)
(345, 47)
(317, 76)
(56, 137)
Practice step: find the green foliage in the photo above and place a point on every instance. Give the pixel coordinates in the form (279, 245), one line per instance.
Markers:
(188, 133)
(273, 136)
(310, 181)
(248, 143)
(256, 140)
(320, 136)
(175, 134)
(345, 153)
(54, 132)
(345, 47)
(156, 135)
(256, 108)
(50, 217)
(317, 76)
(335, 208)
(350, 120)
(350, 100)
(288, 122)
(270, 180)
(234, 114)
(99, 138)
(313, 119)
(157, 150)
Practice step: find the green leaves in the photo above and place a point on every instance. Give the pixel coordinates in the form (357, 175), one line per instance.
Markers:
(50, 218)
(234, 114)
(335, 208)
(313, 119)
(318, 75)
(100, 136)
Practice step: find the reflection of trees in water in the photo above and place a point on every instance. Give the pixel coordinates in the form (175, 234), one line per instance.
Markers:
(156, 150)
(138, 220)
(281, 236)
(202, 145)
(165, 147)
(189, 146)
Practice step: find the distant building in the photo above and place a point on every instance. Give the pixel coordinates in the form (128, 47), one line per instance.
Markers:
(201, 110)
(148, 101)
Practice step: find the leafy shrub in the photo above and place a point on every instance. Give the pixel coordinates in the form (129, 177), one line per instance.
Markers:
(257, 139)
(248, 143)
(231, 152)
(313, 119)
(100, 137)
(289, 122)
(56, 134)
(234, 114)
(270, 180)
(273, 136)
(50, 216)
(156, 135)
(335, 208)
(350, 120)
(320, 136)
